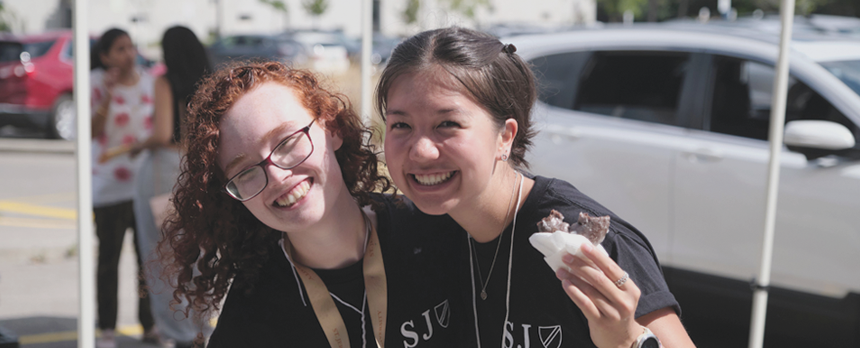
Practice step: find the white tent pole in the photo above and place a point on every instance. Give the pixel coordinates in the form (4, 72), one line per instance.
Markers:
(366, 48)
(86, 279)
(777, 121)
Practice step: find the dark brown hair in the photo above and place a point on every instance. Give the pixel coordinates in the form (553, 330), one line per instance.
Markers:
(499, 80)
(216, 234)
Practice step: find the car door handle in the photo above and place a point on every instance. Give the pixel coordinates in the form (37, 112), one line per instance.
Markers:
(702, 155)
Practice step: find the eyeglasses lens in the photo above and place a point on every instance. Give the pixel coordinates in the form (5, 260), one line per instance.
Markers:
(289, 153)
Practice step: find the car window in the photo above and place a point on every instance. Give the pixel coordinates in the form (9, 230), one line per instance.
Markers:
(741, 100)
(37, 49)
(557, 77)
(643, 86)
(848, 71)
(10, 51)
(69, 50)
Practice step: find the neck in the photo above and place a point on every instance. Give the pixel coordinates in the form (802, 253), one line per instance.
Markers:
(127, 77)
(490, 213)
(337, 241)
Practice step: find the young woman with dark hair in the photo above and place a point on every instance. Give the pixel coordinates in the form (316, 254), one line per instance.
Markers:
(277, 215)
(457, 105)
(121, 109)
(186, 63)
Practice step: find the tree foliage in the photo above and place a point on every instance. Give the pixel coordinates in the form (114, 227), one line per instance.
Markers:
(315, 7)
(7, 19)
(467, 7)
(410, 13)
(278, 5)
(616, 8)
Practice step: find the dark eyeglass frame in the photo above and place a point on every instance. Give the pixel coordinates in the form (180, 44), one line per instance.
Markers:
(268, 160)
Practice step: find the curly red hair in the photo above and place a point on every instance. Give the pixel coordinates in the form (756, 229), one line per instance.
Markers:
(216, 234)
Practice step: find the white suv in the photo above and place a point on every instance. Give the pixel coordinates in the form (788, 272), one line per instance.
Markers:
(668, 128)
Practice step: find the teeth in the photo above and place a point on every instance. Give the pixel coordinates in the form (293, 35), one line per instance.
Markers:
(433, 179)
(295, 195)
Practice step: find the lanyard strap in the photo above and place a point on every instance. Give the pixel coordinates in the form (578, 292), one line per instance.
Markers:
(375, 284)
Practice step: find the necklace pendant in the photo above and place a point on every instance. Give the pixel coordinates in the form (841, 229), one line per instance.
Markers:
(483, 294)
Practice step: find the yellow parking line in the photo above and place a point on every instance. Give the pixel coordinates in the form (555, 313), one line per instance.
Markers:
(130, 330)
(38, 210)
(37, 223)
(46, 198)
(50, 337)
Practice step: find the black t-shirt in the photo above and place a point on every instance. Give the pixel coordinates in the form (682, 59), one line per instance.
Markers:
(541, 314)
(425, 308)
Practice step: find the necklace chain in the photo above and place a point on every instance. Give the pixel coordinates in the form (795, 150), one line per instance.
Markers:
(498, 244)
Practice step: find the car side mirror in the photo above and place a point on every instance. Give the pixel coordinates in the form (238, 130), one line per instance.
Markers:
(816, 134)
(816, 138)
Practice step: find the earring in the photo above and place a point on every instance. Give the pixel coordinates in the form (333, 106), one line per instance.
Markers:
(504, 158)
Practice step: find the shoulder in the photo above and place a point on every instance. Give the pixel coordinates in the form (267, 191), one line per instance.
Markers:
(162, 82)
(556, 194)
(402, 212)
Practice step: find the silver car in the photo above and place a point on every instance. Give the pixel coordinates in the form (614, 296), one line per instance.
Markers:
(668, 128)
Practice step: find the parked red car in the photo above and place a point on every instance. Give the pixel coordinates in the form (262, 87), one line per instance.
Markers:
(36, 79)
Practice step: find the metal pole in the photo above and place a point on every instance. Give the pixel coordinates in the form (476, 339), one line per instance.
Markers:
(86, 264)
(777, 124)
(366, 48)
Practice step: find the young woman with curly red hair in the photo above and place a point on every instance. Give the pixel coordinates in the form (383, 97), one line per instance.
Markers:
(272, 213)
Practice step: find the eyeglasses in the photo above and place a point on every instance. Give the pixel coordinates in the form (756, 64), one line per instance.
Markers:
(290, 152)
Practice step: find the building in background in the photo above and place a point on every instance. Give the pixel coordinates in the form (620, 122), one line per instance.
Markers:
(146, 20)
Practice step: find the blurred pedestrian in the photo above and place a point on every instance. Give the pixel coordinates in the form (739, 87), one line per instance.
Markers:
(186, 62)
(122, 109)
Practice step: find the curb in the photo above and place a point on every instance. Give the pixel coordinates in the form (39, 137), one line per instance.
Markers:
(37, 146)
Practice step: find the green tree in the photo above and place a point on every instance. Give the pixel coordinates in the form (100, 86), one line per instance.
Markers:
(801, 7)
(616, 8)
(278, 5)
(8, 20)
(410, 14)
(467, 7)
(315, 7)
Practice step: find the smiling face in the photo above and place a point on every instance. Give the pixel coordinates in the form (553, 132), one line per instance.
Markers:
(293, 199)
(441, 147)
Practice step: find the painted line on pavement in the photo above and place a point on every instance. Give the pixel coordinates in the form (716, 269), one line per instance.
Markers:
(62, 336)
(38, 210)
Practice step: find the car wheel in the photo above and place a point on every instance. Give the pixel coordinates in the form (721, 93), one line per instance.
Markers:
(61, 124)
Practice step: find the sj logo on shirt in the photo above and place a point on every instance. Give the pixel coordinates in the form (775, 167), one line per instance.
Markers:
(440, 312)
(550, 336)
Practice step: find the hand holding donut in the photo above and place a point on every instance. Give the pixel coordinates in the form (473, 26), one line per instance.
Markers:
(605, 294)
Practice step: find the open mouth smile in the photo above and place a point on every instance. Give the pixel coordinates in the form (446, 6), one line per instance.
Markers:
(296, 194)
(432, 179)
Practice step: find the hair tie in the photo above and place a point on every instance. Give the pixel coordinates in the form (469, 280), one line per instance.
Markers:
(509, 48)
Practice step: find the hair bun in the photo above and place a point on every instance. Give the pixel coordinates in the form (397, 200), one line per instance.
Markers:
(509, 48)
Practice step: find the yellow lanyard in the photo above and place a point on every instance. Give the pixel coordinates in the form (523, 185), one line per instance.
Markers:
(375, 285)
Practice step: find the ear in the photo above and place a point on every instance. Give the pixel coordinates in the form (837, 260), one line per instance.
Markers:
(509, 132)
(333, 138)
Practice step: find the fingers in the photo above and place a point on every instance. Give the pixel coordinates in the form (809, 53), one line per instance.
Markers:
(596, 278)
(580, 299)
(602, 261)
(589, 297)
